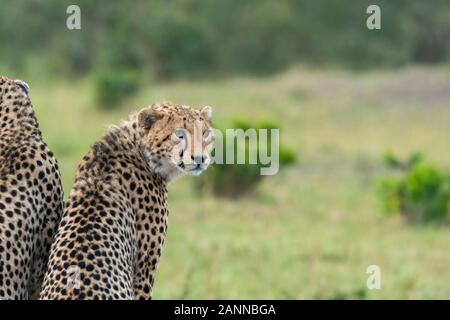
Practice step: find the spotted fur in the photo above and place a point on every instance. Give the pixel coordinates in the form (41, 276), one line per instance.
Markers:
(31, 195)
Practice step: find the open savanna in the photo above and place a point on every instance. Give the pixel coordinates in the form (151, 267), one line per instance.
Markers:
(313, 229)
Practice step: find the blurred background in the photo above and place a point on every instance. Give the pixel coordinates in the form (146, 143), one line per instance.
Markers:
(364, 122)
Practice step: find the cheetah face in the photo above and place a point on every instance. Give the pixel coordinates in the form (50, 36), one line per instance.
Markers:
(179, 139)
(191, 151)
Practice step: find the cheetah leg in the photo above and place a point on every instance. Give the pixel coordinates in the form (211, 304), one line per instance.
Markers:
(144, 279)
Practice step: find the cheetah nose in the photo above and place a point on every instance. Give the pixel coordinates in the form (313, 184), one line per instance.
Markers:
(199, 159)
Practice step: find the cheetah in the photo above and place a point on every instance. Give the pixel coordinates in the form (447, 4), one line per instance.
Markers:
(31, 195)
(110, 238)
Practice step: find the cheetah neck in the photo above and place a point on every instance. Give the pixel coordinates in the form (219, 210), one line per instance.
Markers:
(121, 144)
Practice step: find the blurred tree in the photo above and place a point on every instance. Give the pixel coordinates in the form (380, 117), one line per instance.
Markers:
(193, 38)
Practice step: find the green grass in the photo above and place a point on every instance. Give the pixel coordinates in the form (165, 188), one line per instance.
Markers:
(313, 229)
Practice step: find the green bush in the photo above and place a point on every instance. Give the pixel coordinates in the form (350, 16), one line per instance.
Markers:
(113, 87)
(237, 180)
(419, 191)
(391, 161)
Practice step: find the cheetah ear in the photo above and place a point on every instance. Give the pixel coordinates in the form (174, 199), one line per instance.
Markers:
(207, 112)
(23, 85)
(147, 118)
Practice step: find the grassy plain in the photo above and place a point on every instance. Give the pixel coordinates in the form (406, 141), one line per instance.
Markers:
(312, 230)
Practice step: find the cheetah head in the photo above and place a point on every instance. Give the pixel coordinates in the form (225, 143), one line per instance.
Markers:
(177, 140)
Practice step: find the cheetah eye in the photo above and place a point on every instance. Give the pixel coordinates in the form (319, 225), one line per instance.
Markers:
(207, 134)
(179, 133)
